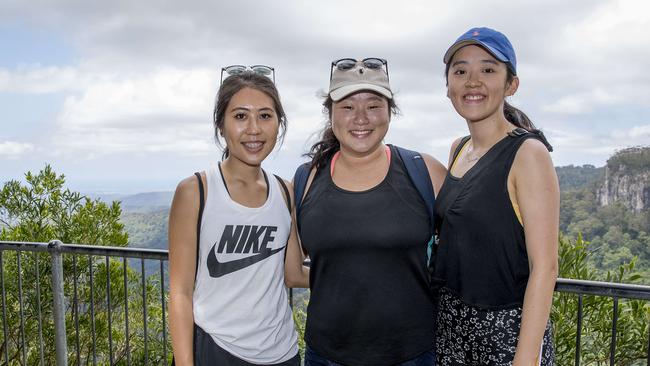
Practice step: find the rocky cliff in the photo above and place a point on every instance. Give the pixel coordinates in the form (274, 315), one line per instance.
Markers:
(627, 179)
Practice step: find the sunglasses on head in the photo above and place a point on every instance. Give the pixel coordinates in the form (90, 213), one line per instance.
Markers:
(264, 70)
(372, 63)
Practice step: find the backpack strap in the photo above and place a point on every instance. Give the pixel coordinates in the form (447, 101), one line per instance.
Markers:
(198, 223)
(419, 175)
(299, 184)
(286, 192)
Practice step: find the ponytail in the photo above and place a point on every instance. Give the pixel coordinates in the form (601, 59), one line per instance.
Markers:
(520, 119)
(517, 117)
(328, 144)
(324, 149)
(514, 115)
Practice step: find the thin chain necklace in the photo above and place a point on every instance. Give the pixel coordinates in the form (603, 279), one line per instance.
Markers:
(469, 157)
(470, 149)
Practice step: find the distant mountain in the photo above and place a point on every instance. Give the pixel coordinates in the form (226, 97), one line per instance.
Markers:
(147, 202)
(144, 216)
(139, 202)
(578, 177)
(627, 179)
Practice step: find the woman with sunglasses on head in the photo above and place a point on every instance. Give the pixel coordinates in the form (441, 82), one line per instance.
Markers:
(498, 212)
(365, 228)
(229, 227)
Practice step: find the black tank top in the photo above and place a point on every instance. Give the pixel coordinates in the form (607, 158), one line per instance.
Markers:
(370, 298)
(481, 254)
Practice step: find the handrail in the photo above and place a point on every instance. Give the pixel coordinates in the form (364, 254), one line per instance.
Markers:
(585, 287)
(599, 288)
(143, 253)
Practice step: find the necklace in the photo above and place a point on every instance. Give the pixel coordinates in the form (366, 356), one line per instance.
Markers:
(468, 156)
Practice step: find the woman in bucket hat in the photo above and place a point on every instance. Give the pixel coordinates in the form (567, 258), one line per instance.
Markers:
(365, 228)
(498, 213)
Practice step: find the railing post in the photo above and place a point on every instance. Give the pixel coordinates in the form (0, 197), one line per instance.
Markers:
(291, 298)
(59, 302)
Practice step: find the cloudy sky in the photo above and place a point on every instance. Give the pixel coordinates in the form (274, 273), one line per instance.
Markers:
(118, 95)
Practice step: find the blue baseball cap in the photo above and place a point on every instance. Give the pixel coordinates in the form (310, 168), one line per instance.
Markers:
(492, 41)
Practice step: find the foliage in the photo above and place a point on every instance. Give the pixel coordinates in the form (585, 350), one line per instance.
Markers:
(300, 302)
(630, 160)
(42, 210)
(633, 315)
(617, 234)
(572, 177)
(147, 229)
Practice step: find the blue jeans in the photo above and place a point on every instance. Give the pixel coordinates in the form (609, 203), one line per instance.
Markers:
(314, 359)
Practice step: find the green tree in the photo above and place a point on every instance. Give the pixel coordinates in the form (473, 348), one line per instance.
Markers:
(41, 210)
(633, 315)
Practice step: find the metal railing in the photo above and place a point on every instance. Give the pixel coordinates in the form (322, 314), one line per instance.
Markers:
(615, 291)
(90, 290)
(95, 289)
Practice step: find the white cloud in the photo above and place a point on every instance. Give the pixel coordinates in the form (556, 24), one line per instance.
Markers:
(637, 135)
(14, 150)
(594, 148)
(145, 73)
(164, 110)
(127, 99)
(38, 79)
(584, 102)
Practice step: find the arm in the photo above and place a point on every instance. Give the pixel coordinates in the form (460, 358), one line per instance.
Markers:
(537, 194)
(183, 217)
(437, 172)
(295, 274)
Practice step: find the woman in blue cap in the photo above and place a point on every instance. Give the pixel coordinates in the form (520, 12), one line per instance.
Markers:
(497, 214)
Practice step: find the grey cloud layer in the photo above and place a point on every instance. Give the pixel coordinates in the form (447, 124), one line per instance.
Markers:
(581, 62)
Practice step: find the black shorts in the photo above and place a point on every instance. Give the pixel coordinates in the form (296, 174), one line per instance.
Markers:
(208, 353)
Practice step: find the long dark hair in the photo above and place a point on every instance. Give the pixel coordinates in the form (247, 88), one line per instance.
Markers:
(512, 114)
(233, 84)
(328, 145)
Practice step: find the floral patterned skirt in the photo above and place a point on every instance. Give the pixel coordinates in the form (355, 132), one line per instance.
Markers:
(468, 335)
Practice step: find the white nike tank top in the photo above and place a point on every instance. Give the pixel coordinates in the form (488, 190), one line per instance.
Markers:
(239, 295)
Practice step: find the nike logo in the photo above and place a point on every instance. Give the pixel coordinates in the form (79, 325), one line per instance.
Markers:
(242, 239)
(218, 269)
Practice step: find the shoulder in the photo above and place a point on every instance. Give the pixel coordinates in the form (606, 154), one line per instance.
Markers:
(186, 201)
(187, 190)
(189, 185)
(433, 164)
(454, 145)
(437, 172)
(532, 150)
(453, 148)
(533, 164)
(287, 184)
